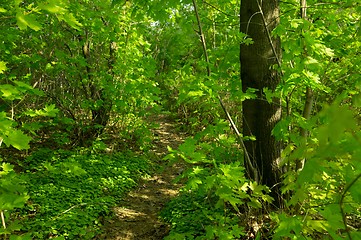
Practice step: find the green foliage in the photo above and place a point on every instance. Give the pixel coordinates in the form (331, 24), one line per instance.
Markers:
(13, 195)
(194, 215)
(216, 190)
(187, 214)
(71, 192)
(11, 136)
(88, 73)
(324, 192)
(315, 55)
(322, 197)
(48, 111)
(91, 60)
(182, 71)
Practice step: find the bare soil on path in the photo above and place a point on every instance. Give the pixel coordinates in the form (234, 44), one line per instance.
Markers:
(136, 217)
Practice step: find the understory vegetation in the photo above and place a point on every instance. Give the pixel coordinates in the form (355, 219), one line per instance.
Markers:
(72, 192)
(81, 81)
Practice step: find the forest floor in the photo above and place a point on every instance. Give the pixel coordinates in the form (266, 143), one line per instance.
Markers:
(137, 216)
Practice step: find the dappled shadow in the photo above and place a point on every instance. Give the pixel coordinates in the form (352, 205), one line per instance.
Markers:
(136, 217)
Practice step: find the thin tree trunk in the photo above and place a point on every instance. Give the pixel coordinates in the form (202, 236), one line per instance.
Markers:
(204, 46)
(307, 109)
(101, 113)
(202, 38)
(257, 20)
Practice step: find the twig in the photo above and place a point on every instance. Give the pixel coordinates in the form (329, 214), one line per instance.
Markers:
(201, 35)
(341, 205)
(69, 209)
(234, 127)
(219, 10)
(247, 157)
(3, 219)
(269, 35)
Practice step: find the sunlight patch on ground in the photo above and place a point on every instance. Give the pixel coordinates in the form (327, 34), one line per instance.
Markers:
(128, 213)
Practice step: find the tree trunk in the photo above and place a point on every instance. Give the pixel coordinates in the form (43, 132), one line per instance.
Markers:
(258, 19)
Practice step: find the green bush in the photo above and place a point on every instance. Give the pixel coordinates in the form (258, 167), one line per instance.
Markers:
(216, 191)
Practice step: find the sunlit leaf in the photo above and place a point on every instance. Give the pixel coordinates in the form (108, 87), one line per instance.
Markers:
(49, 110)
(288, 226)
(314, 78)
(27, 20)
(2, 66)
(18, 140)
(9, 92)
(71, 20)
(52, 7)
(7, 167)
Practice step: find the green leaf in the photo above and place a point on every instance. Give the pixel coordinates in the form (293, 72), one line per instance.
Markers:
(288, 226)
(52, 7)
(195, 93)
(26, 20)
(355, 192)
(49, 111)
(2, 66)
(312, 64)
(193, 183)
(71, 20)
(18, 140)
(74, 169)
(254, 203)
(318, 225)
(356, 100)
(25, 237)
(115, 2)
(249, 94)
(9, 201)
(188, 147)
(314, 79)
(23, 85)
(7, 167)
(281, 131)
(356, 235)
(296, 22)
(2, 10)
(333, 216)
(9, 92)
(269, 94)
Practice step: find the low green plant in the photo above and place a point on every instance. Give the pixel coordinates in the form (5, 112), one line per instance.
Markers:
(13, 196)
(321, 201)
(212, 201)
(71, 192)
(216, 192)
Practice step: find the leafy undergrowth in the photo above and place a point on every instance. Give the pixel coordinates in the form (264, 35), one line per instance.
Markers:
(193, 215)
(71, 192)
(321, 201)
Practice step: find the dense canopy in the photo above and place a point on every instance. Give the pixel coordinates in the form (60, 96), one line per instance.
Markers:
(268, 94)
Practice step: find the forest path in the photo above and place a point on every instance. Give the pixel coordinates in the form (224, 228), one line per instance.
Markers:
(136, 217)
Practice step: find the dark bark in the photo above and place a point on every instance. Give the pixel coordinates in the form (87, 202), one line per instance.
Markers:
(259, 116)
(101, 113)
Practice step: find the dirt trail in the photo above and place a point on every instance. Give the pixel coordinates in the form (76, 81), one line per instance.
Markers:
(137, 216)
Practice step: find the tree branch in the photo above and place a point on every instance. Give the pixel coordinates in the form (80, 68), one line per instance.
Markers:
(269, 35)
(247, 157)
(341, 205)
(219, 10)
